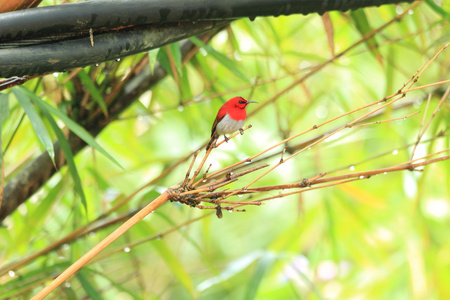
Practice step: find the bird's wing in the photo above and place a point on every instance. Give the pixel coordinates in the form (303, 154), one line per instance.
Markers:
(220, 115)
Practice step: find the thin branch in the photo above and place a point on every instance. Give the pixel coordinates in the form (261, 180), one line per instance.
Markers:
(443, 98)
(190, 168)
(420, 133)
(388, 120)
(341, 179)
(200, 166)
(427, 85)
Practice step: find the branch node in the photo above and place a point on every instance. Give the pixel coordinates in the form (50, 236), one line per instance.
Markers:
(171, 193)
(305, 183)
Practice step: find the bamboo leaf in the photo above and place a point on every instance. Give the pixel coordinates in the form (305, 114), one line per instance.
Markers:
(73, 126)
(363, 26)
(164, 60)
(69, 293)
(231, 270)
(40, 214)
(176, 54)
(69, 157)
(437, 9)
(87, 286)
(4, 107)
(152, 55)
(263, 265)
(36, 122)
(4, 113)
(174, 264)
(225, 61)
(118, 286)
(93, 90)
(185, 87)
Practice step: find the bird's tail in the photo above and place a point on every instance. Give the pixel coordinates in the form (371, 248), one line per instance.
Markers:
(211, 142)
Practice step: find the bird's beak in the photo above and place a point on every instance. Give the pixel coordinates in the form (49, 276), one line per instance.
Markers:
(250, 101)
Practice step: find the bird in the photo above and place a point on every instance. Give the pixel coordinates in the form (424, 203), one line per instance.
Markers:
(230, 118)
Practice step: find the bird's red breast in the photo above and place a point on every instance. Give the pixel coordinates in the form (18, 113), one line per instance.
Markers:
(235, 108)
(230, 118)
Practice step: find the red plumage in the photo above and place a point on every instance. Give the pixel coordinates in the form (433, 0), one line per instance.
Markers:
(230, 118)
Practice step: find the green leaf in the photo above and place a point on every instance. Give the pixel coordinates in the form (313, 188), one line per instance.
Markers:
(36, 122)
(95, 93)
(307, 281)
(164, 60)
(225, 61)
(437, 9)
(264, 263)
(185, 87)
(4, 107)
(363, 26)
(172, 261)
(176, 55)
(232, 269)
(175, 265)
(152, 54)
(4, 113)
(69, 157)
(74, 127)
(90, 289)
(100, 181)
(39, 215)
(69, 293)
(119, 286)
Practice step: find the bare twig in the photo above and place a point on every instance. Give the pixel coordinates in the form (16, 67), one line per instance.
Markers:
(388, 120)
(190, 168)
(420, 133)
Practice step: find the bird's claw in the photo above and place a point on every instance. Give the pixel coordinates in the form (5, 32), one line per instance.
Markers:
(241, 131)
(226, 139)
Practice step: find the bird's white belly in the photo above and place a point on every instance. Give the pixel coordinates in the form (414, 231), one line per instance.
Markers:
(228, 125)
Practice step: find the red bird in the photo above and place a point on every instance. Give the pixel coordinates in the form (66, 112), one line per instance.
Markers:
(230, 118)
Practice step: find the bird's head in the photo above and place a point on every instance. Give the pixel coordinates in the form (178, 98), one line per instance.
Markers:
(239, 102)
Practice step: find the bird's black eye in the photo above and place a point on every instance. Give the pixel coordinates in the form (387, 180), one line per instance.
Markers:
(242, 102)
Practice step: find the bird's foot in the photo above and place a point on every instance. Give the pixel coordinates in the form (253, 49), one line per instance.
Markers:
(241, 131)
(226, 139)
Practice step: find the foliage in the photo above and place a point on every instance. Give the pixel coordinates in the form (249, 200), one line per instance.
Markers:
(377, 238)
